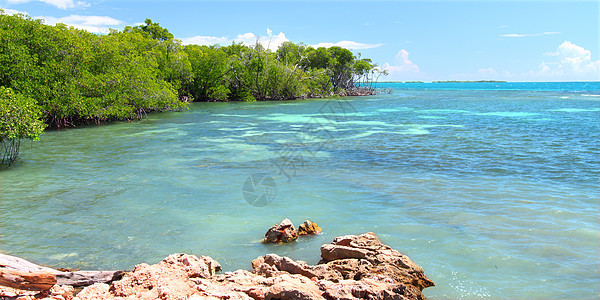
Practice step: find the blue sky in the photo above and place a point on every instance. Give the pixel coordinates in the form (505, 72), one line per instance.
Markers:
(424, 40)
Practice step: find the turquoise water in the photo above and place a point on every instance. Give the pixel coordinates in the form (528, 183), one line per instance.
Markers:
(492, 187)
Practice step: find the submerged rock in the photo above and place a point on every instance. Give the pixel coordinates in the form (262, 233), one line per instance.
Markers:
(352, 267)
(283, 232)
(308, 228)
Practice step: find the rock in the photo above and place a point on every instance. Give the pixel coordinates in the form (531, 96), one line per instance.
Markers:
(56, 292)
(383, 260)
(94, 291)
(169, 279)
(285, 264)
(291, 287)
(202, 266)
(308, 228)
(364, 289)
(352, 267)
(64, 292)
(331, 252)
(283, 232)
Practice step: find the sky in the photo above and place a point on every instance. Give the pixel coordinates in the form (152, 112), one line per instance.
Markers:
(531, 40)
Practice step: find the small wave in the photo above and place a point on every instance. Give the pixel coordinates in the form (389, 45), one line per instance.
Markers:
(507, 114)
(590, 95)
(575, 109)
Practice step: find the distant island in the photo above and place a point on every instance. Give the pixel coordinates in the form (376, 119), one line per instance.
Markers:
(466, 81)
(444, 81)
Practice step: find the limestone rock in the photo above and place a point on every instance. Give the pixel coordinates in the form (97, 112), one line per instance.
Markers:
(352, 267)
(290, 287)
(202, 266)
(169, 279)
(56, 292)
(331, 252)
(283, 232)
(383, 260)
(308, 228)
(275, 262)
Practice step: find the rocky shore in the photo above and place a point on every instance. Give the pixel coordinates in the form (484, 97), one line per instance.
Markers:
(351, 267)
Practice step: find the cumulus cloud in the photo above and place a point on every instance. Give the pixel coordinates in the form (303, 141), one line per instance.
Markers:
(520, 35)
(95, 24)
(270, 41)
(402, 66)
(350, 45)
(62, 4)
(571, 60)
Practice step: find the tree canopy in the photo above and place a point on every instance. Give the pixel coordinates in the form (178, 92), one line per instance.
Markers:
(63, 76)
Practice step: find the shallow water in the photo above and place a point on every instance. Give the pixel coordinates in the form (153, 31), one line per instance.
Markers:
(492, 188)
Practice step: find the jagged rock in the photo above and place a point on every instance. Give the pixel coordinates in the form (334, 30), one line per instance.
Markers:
(169, 279)
(308, 228)
(331, 252)
(352, 267)
(291, 287)
(283, 232)
(56, 292)
(275, 262)
(203, 266)
(63, 292)
(94, 291)
(385, 261)
(355, 266)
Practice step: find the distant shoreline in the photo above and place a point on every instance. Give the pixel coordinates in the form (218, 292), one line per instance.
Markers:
(478, 81)
(444, 81)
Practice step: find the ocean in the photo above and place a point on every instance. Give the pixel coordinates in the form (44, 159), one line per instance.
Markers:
(493, 188)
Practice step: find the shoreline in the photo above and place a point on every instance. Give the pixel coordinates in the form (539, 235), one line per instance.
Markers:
(335, 96)
(351, 266)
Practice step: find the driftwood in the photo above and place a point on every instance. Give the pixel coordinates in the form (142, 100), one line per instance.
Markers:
(22, 274)
(38, 281)
(85, 278)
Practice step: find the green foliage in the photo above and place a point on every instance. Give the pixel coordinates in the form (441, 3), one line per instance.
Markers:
(78, 77)
(19, 116)
(292, 54)
(65, 76)
(153, 30)
(209, 66)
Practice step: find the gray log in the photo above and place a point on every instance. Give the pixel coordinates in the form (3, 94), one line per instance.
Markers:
(76, 278)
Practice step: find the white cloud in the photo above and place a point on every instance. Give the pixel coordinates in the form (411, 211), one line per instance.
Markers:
(403, 68)
(570, 61)
(270, 41)
(205, 40)
(10, 12)
(62, 4)
(350, 45)
(519, 35)
(95, 24)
